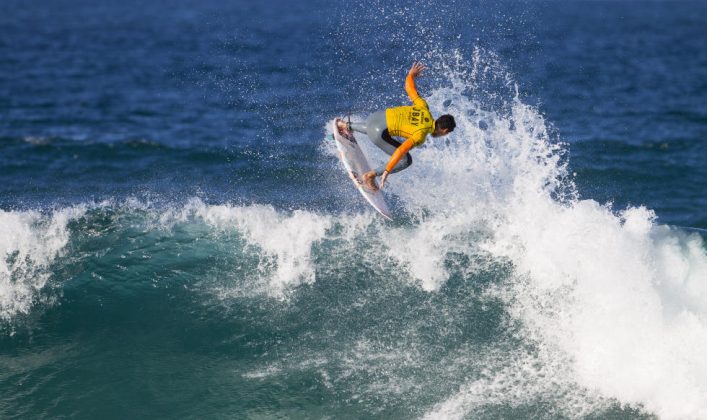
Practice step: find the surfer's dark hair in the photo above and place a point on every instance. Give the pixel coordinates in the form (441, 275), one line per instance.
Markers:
(446, 121)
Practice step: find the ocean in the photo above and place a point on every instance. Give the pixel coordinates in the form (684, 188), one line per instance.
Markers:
(178, 238)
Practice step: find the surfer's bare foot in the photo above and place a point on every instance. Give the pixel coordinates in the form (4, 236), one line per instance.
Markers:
(369, 180)
(343, 127)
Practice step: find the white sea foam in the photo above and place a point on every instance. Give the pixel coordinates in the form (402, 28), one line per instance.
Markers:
(517, 378)
(616, 302)
(621, 299)
(623, 296)
(284, 241)
(29, 243)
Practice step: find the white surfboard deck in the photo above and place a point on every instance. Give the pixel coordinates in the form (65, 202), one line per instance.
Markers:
(356, 165)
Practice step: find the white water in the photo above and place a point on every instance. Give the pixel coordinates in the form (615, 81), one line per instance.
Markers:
(29, 243)
(620, 298)
(614, 302)
(284, 241)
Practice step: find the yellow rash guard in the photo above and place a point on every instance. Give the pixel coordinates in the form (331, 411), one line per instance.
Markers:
(412, 122)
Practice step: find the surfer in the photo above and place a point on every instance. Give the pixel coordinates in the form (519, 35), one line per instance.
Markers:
(413, 123)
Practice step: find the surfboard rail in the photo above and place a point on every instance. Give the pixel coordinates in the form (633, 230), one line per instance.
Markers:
(356, 164)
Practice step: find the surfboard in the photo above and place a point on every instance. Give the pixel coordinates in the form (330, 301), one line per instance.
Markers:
(356, 165)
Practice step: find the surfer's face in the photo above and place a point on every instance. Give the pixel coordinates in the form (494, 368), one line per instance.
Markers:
(439, 132)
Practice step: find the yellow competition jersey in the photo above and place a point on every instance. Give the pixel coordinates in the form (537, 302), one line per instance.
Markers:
(412, 122)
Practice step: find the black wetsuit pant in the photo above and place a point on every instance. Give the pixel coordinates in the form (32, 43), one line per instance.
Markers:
(376, 128)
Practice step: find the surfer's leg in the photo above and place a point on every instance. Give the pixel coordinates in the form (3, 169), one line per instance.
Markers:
(378, 133)
(358, 126)
(376, 125)
(391, 146)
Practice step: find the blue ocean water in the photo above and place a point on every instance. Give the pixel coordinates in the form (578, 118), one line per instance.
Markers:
(178, 240)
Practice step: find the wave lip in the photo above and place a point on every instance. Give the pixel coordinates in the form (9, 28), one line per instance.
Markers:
(29, 244)
(283, 242)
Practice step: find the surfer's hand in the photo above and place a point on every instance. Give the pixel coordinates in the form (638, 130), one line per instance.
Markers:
(383, 178)
(416, 69)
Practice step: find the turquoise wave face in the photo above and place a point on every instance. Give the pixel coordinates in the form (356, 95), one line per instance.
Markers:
(261, 308)
(276, 312)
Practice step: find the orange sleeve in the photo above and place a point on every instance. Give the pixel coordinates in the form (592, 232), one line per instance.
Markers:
(410, 88)
(401, 151)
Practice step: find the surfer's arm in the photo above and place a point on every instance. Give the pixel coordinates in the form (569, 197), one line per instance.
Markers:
(410, 89)
(399, 153)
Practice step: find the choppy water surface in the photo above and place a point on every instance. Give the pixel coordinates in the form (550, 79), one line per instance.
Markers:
(177, 239)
